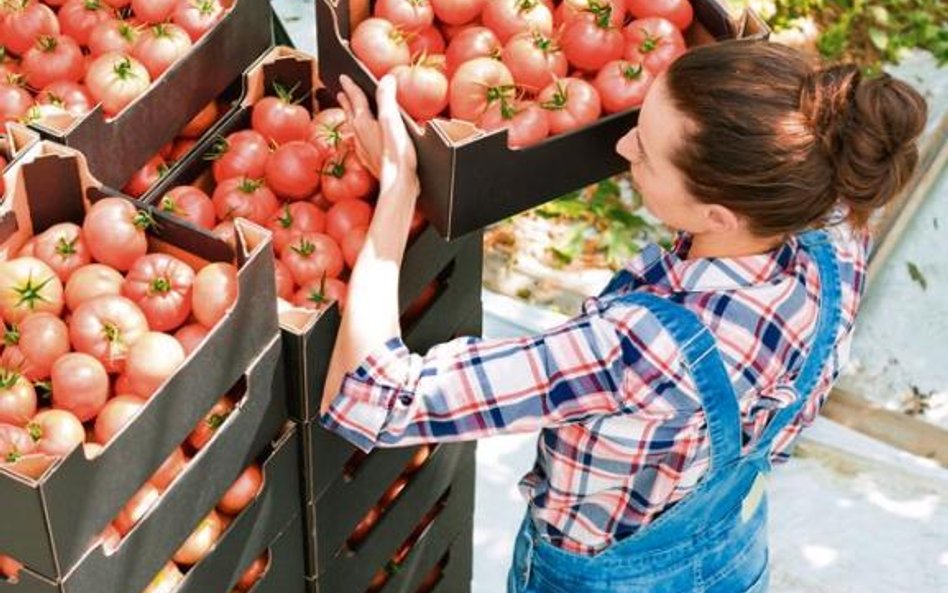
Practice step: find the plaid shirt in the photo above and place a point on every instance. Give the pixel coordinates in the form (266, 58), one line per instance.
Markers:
(623, 432)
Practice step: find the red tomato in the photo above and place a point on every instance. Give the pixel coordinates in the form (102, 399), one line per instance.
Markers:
(509, 17)
(160, 46)
(53, 59)
(23, 23)
(56, 432)
(380, 45)
(590, 40)
(525, 121)
(421, 303)
(311, 256)
(92, 281)
(344, 178)
(41, 339)
(418, 224)
(330, 131)
(226, 233)
(570, 103)
(190, 337)
(244, 198)
(152, 359)
(654, 42)
(201, 122)
(474, 42)
(191, 204)
(182, 148)
(201, 541)
(242, 154)
(279, 119)
(114, 231)
(111, 539)
(160, 285)
(427, 41)
(242, 492)
(364, 527)
(534, 60)
(284, 281)
(393, 492)
(107, 327)
(115, 80)
(14, 102)
(113, 35)
(15, 442)
(679, 12)
(622, 85)
(207, 427)
(571, 8)
(122, 385)
(457, 12)
(17, 398)
(146, 177)
(153, 11)
(71, 96)
(418, 459)
(80, 385)
(10, 568)
(27, 285)
(61, 247)
(77, 18)
(422, 91)
(253, 573)
(476, 84)
(408, 15)
(352, 244)
(298, 217)
(215, 292)
(320, 294)
(431, 579)
(170, 469)
(197, 17)
(136, 508)
(166, 581)
(293, 170)
(118, 411)
(345, 216)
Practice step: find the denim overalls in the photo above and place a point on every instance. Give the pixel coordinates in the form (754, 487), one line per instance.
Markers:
(715, 539)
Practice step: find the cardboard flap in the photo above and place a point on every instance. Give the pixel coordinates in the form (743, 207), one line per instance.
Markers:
(287, 67)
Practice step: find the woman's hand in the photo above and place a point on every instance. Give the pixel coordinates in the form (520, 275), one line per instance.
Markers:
(368, 134)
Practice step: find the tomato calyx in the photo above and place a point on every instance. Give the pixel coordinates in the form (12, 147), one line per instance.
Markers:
(93, 5)
(650, 43)
(632, 71)
(142, 219)
(29, 293)
(35, 430)
(286, 219)
(559, 100)
(602, 13)
(168, 204)
(249, 186)
(13, 456)
(160, 30)
(499, 93)
(160, 285)
(287, 95)
(204, 7)
(124, 69)
(127, 31)
(216, 420)
(112, 332)
(526, 5)
(220, 147)
(336, 167)
(544, 43)
(11, 336)
(8, 378)
(304, 248)
(47, 43)
(65, 248)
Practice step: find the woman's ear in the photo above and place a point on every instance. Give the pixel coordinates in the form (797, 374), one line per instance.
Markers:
(720, 219)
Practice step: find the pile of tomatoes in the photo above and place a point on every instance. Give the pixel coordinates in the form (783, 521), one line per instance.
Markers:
(531, 66)
(63, 57)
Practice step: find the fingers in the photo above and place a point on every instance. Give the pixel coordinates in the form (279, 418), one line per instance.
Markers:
(345, 105)
(389, 116)
(357, 99)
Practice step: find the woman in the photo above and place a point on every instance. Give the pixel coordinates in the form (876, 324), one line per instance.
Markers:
(663, 404)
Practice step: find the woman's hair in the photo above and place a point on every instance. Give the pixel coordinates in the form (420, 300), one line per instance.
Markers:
(782, 141)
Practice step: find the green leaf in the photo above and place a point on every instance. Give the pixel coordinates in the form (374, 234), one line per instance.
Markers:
(561, 256)
(879, 38)
(916, 274)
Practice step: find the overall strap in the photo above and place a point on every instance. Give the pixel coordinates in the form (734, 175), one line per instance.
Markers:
(699, 350)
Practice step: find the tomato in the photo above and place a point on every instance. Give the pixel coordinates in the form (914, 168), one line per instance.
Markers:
(107, 327)
(191, 204)
(15, 442)
(279, 119)
(215, 292)
(56, 432)
(153, 11)
(474, 42)
(380, 45)
(476, 84)
(509, 17)
(207, 427)
(330, 131)
(197, 17)
(253, 573)
(92, 281)
(242, 154)
(457, 12)
(408, 15)
(364, 527)
(393, 492)
(352, 244)
(111, 539)
(92, 450)
(41, 339)
(201, 541)
(182, 148)
(136, 508)
(427, 41)
(146, 177)
(10, 568)
(114, 231)
(115, 415)
(152, 359)
(654, 42)
(53, 59)
(344, 178)
(17, 398)
(170, 469)
(226, 233)
(160, 46)
(590, 40)
(293, 170)
(320, 294)
(311, 256)
(290, 219)
(570, 103)
(622, 85)
(77, 18)
(284, 281)
(160, 285)
(566, 11)
(80, 385)
(27, 285)
(166, 581)
(431, 579)
(62, 248)
(71, 96)
(122, 385)
(113, 35)
(679, 12)
(345, 216)
(525, 121)
(115, 80)
(242, 492)
(422, 91)
(14, 102)
(190, 337)
(534, 60)
(112, 3)
(23, 23)
(201, 122)
(421, 303)
(244, 198)
(419, 459)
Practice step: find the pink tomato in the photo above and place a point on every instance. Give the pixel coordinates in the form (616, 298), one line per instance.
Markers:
(107, 327)
(570, 103)
(62, 248)
(215, 292)
(28, 285)
(114, 231)
(80, 385)
(56, 432)
(152, 359)
(294, 218)
(160, 285)
(41, 338)
(91, 281)
(189, 203)
(191, 336)
(526, 122)
(116, 414)
(380, 45)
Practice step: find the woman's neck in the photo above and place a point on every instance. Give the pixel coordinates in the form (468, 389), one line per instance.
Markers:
(732, 244)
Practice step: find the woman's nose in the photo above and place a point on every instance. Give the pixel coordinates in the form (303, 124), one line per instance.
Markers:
(624, 146)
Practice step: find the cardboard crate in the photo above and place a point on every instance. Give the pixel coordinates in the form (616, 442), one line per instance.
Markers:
(118, 147)
(287, 568)
(458, 567)
(238, 442)
(470, 178)
(53, 520)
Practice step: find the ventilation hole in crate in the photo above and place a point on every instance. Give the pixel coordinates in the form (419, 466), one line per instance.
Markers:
(434, 576)
(429, 295)
(418, 460)
(9, 569)
(353, 464)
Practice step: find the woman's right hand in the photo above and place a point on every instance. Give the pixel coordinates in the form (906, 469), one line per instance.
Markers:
(368, 134)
